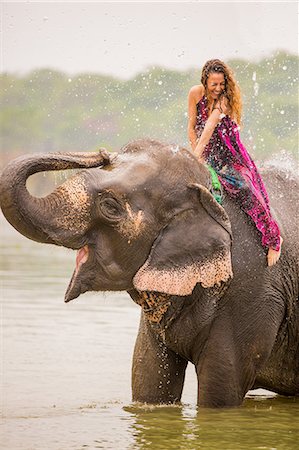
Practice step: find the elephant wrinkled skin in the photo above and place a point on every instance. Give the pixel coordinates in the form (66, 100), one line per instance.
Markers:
(145, 221)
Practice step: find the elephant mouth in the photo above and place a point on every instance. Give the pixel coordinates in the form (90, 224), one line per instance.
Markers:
(74, 288)
(82, 256)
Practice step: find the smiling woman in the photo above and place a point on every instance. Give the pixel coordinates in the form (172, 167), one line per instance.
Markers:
(214, 114)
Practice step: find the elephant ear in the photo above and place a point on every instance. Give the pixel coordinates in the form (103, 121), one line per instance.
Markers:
(194, 247)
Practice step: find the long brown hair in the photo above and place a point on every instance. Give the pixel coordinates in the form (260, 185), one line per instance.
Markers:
(232, 90)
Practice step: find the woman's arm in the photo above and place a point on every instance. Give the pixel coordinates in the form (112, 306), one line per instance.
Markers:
(206, 135)
(195, 94)
(212, 122)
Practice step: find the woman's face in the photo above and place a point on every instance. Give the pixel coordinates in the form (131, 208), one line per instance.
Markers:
(215, 84)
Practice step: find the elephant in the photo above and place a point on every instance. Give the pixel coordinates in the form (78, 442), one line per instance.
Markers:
(145, 220)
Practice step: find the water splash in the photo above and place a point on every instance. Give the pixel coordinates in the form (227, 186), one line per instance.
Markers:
(283, 161)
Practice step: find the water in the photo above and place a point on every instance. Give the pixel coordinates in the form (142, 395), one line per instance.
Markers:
(66, 372)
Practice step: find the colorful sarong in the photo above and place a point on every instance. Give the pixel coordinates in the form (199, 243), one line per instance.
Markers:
(238, 174)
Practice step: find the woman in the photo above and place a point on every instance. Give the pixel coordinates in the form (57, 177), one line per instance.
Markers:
(214, 114)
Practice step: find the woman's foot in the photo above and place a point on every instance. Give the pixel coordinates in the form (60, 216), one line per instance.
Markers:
(274, 255)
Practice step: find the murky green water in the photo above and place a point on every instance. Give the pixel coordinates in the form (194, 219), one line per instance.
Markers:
(66, 372)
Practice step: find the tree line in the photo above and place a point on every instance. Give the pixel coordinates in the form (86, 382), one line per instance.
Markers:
(48, 110)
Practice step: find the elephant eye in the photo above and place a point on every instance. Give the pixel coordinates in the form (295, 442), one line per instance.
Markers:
(109, 207)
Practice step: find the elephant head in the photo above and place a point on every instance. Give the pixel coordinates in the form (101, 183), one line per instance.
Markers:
(143, 220)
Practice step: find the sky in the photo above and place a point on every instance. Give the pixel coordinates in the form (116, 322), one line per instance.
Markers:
(125, 38)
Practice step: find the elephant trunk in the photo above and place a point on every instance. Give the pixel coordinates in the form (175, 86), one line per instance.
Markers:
(60, 218)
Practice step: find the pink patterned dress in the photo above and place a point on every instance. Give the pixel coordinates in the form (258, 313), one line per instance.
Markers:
(238, 173)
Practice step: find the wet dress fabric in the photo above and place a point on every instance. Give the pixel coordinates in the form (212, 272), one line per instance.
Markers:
(238, 173)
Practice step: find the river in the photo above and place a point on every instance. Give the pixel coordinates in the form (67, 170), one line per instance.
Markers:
(65, 371)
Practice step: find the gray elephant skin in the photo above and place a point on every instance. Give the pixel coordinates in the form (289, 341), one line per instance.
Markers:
(144, 221)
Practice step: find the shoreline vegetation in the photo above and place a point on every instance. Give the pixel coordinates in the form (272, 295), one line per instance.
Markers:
(47, 110)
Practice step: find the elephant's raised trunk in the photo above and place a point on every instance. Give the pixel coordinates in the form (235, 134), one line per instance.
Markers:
(64, 212)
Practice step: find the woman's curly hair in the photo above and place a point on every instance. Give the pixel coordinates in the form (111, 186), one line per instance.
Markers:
(232, 90)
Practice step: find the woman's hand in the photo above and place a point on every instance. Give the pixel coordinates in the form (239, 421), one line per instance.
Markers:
(222, 105)
(198, 150)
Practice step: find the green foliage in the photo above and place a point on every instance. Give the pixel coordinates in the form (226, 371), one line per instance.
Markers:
(49, 111)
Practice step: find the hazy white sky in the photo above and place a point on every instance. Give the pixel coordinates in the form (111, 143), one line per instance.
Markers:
(123, 38)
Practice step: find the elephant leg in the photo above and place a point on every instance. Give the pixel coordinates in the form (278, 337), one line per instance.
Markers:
(157, 373)
(223, 379)
(217, 387)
